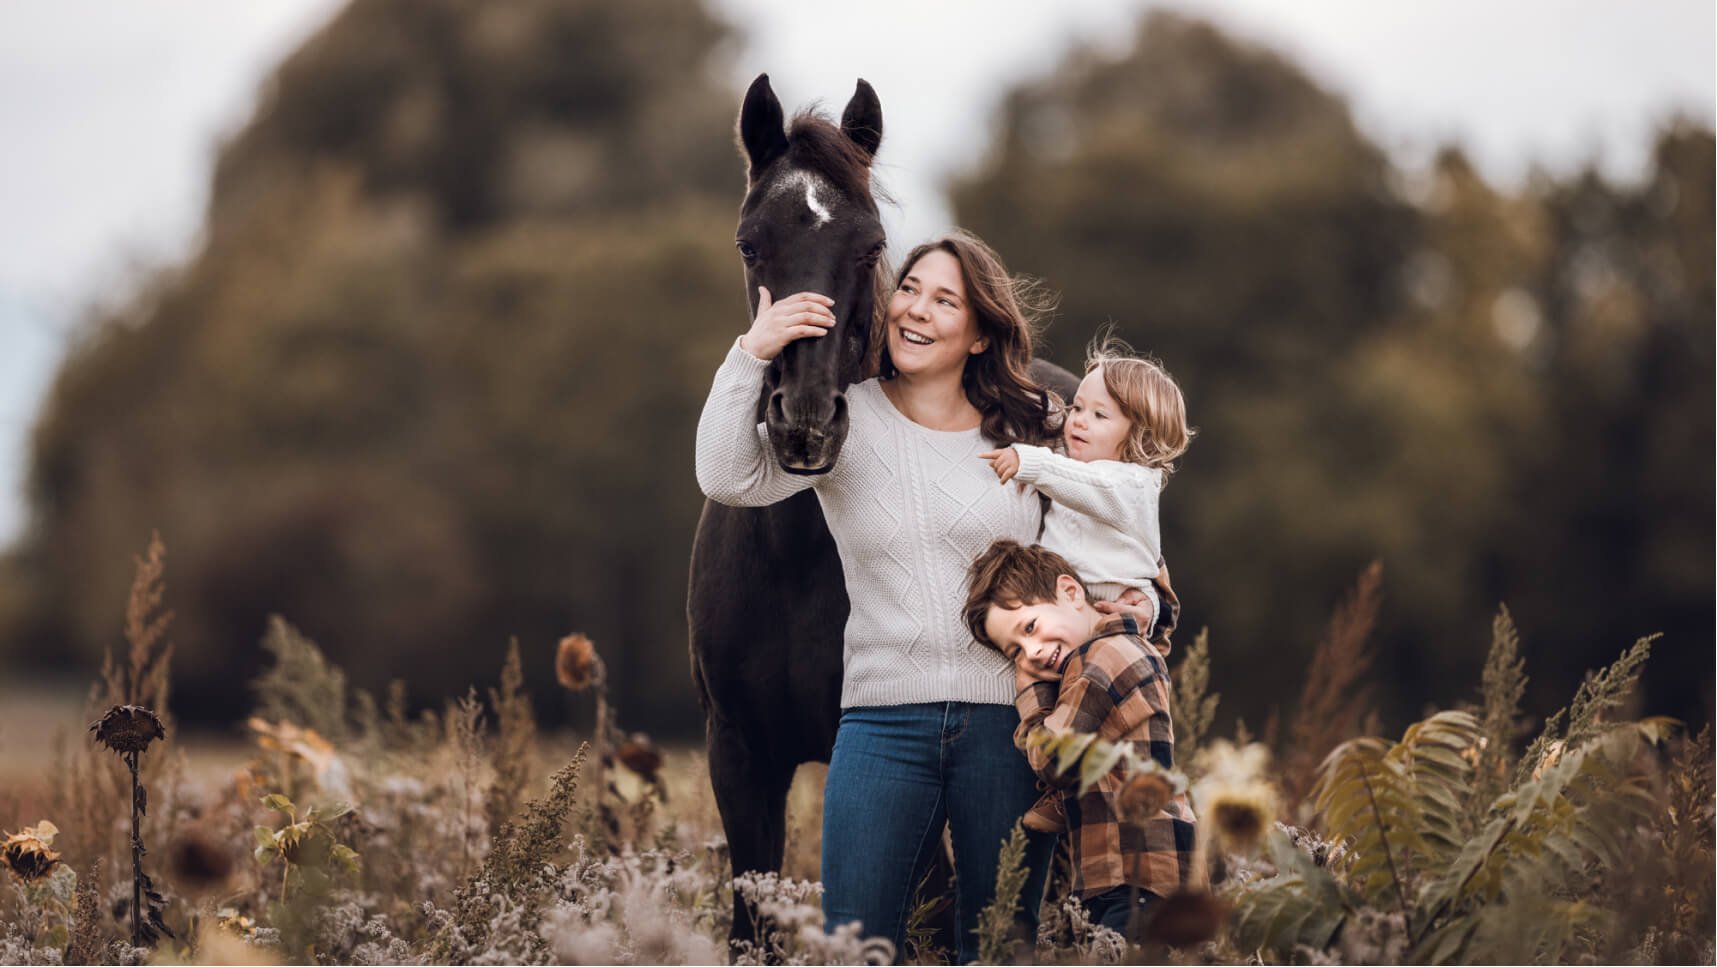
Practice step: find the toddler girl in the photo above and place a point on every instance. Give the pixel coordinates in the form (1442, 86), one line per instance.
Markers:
(1122, 433)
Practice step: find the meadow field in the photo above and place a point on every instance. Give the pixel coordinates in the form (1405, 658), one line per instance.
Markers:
(342, 829)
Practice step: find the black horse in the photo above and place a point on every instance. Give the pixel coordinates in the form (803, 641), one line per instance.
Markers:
(767, 604)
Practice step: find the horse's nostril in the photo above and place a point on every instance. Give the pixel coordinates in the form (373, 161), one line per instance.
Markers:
(778, 408)
(840, 414)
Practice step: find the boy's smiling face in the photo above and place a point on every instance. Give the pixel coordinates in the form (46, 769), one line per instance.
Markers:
(1039, 638)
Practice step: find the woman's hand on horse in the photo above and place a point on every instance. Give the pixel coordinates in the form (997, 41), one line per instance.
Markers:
(779, 323)
(1005, 462)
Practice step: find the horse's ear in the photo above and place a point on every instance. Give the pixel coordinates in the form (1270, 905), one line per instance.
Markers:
(762, 127)
(862, 120)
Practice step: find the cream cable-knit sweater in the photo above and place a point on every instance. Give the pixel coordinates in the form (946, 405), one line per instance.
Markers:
(1102, 518)
(909, 508)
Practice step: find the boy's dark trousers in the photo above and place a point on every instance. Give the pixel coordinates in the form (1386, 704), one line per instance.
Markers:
(1116, 907)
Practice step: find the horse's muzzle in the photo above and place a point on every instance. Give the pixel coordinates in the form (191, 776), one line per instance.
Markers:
(806, 435)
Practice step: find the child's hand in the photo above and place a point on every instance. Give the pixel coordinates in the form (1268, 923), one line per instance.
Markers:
(779, 323)
(1023, 679)
(1134, 602)
(1005, 462)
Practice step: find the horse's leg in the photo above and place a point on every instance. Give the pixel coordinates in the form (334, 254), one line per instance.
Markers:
(752, 798)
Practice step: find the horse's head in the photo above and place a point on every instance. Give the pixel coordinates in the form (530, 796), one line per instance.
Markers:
(809, 223)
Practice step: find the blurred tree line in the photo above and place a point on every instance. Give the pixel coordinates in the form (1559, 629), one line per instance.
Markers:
(432, 380)
(1505, 398)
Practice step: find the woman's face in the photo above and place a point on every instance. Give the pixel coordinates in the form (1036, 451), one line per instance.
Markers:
(931, 328)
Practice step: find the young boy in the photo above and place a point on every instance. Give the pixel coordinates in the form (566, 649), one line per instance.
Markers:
(1082, 670)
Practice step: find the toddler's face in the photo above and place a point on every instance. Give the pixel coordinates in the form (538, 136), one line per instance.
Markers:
(1095, 428)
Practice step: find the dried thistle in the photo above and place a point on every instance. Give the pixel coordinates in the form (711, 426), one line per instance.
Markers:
(28, 853)
(576, 664)
(1186, 919)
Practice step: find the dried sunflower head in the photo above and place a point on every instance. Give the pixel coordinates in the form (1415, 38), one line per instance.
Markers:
(27, 852)
(1185, 919)
(128, 728)
(640, 755)
(576, 662)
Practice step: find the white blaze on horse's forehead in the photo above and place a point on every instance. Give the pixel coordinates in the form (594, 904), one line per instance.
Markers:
(809, 183)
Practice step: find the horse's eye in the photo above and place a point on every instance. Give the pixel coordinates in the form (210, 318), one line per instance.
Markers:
(747, 252)
(869, 258)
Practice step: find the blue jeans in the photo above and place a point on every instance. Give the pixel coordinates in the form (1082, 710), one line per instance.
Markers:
(899, 772)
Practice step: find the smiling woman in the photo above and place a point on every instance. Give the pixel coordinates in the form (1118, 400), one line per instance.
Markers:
(926, 725)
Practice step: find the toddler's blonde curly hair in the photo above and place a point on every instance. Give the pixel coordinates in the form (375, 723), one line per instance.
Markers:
(1148, 397)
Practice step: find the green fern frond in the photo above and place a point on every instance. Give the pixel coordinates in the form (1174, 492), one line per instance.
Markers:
(1550, 833)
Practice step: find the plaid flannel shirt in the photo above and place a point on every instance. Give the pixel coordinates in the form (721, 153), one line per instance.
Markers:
(1117, 686)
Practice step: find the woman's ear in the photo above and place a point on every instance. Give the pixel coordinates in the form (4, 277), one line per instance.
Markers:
(979, 346)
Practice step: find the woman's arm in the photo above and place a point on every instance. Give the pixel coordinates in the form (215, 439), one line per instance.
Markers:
(735, 464)
(1121, 495)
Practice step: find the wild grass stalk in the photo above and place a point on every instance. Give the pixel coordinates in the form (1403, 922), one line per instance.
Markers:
(996, 922)
(1334, 700)
(515, 742)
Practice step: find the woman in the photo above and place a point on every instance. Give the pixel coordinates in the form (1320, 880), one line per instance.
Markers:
(927, 714)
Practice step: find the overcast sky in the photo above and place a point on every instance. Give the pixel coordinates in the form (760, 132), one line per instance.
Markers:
(110, 110)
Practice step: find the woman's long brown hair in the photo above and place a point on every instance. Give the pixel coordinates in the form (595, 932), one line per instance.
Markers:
(997, 381)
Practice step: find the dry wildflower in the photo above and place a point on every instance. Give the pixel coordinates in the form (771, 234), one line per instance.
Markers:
(1144, 795)
(1552, 755)
(236, 923)
(576, 662)
(640, 755)
(1241, 814)
(83, 946)
(307, 746)
(28, 853)
(128, 728)
(1234, 797)
(1185, 919)
(199, 864)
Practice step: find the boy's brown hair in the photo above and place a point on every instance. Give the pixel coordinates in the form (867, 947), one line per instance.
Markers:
(1011, 575)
